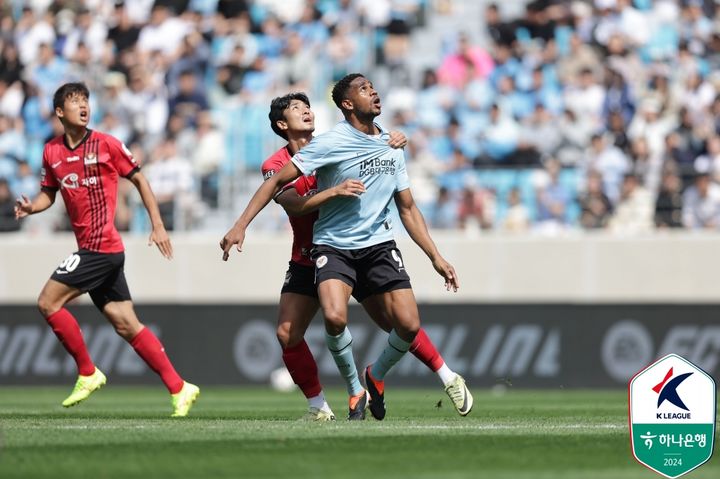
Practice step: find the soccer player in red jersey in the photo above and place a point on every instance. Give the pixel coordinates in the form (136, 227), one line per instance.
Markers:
(85, 165)
(292, 119)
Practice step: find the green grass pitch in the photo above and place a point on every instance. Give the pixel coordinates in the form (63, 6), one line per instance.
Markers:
(124, 432)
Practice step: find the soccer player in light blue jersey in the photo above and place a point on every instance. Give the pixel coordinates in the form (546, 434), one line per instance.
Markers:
(353, 235)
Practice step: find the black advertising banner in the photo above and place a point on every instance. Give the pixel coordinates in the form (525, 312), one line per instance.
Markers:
(526, 346)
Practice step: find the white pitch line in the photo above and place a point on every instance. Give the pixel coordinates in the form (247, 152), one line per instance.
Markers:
(284, 425)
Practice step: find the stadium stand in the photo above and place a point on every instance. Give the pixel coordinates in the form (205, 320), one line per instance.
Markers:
(509, 113)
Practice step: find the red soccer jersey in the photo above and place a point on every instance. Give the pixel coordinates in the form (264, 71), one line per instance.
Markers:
(302, 226)
(87, 177)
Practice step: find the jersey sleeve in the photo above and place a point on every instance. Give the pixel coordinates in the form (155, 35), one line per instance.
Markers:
(402, 180)
(269, 168)
(48, 181)
(122, 158)
(316, 154)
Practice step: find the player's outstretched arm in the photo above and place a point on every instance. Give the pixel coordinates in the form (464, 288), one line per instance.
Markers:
(260, 199)
(158, 236)
(296, 205)
(24, 207)
(414, 223)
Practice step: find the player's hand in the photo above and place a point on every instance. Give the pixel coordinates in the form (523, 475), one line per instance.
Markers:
(350, 188)
(234, 236)
(23, 207)
(160, 238)
(397, 140)
(447, 271)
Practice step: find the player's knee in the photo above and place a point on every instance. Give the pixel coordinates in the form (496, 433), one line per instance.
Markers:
(407, 330)
(283, 336)
(47, 306)
(335, 323)
(126, 329)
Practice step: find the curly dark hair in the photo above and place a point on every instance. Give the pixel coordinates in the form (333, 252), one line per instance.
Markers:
(69, 90)
(339, 91)
(279, 105)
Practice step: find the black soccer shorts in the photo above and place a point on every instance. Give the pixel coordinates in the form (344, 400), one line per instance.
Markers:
(100, 274)
(372, 270)
(300, 279)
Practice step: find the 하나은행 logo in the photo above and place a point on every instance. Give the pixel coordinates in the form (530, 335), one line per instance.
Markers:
(672, 411)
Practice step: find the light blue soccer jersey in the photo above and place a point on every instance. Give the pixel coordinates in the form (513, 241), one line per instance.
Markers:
(346, 153)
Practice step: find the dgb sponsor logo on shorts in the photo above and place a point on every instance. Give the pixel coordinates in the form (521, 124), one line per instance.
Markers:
(321, 261)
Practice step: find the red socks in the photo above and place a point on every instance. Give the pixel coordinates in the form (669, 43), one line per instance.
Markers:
(67, 329)
(425, 351)
(303, 369)
(151, 350)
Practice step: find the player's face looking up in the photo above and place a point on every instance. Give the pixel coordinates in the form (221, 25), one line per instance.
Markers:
(75, 110)
(298, 117)
(365, 100)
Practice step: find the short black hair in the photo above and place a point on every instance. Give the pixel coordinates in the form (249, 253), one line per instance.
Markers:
(341, 88)
(279, 105)
(69, 90)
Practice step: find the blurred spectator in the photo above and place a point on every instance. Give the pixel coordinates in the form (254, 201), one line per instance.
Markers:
(646, 165)
(189, 101)
(7, 209)
(124, 33)
(207, 156)
(164, 33)
(453, 68)
(25, 182)
(171, 179)
(669, 204)
(500, 32)
(701, 204)
(293, 65)
(48, 74)
(12, 147)
(539, 137)
(476, 208)
(501, 137)
(31, 32)
(617, 130)
(585, 98)
(582, 57)
(87, 30)
(553, 197)
(517, 217)
(595, 206)
(575, 133)
(618, 98)
(634, 212)
(341, 50)
(443, 214)
(610, 162)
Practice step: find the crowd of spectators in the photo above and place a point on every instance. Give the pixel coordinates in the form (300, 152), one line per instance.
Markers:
(592, 115)
(599, 114)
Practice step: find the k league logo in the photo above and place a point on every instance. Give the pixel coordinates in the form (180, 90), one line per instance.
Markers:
(672, 415)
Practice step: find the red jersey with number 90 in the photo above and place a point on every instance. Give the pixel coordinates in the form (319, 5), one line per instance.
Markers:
(87, 177)
(302, 226)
